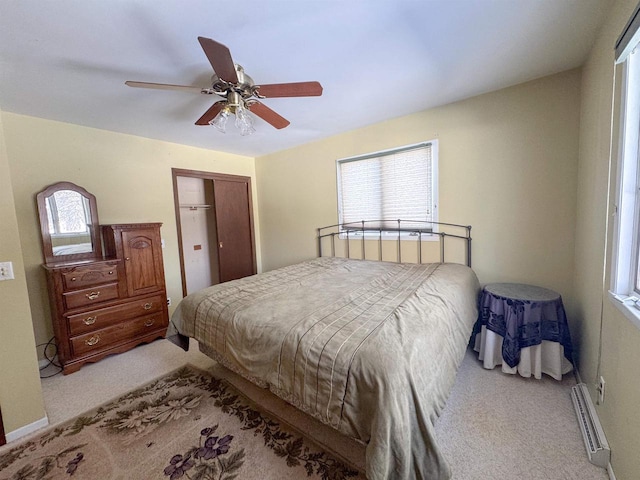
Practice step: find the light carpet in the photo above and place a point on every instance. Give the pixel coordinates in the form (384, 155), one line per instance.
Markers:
(188, 424)
(495, 426)
(502, 426)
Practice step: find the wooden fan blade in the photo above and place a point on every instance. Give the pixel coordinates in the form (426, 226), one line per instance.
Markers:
(220, 59)
(211, 113)
(166, 86)
(268, 115)
(299, 89)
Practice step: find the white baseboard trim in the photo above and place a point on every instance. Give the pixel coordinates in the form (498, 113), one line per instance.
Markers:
(27, 429)
(612, 476)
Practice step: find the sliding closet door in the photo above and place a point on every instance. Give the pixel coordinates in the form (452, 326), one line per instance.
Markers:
(214, 217)
(232, 200)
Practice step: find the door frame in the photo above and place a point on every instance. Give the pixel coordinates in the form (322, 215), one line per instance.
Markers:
(179, 172)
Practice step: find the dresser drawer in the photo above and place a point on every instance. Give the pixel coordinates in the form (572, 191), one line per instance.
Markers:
(90, 296)
(108, 337)
(81, 277)
(105, 317)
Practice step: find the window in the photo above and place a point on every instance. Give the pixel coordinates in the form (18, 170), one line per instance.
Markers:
(68, 213)
(390, 185)
(625, 278)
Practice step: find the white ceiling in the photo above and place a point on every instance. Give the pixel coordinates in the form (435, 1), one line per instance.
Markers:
(67, 60)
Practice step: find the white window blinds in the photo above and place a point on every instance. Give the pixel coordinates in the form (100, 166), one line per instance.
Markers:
(629, 38)
(397, 184)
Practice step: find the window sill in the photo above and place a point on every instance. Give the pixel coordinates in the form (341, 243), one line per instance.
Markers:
(627, 307)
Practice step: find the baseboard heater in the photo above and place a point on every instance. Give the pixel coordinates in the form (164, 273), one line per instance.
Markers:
(592, 433)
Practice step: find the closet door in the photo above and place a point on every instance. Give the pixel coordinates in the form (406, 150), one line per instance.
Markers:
(236, 254)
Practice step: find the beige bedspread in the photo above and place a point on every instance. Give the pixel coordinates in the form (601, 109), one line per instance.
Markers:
(369, 348)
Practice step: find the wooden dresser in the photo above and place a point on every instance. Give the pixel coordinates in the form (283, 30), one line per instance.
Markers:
(109, 305)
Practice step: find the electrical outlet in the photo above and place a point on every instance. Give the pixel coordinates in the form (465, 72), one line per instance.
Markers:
(168, 301)
(6, 271)
(601, 391)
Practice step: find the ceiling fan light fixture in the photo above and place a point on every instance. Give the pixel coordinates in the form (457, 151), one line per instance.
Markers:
(244, 122)
(239, 92)
(220, 120)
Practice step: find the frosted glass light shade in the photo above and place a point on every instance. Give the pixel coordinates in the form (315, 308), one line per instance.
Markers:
(220, 120)
(243, 121)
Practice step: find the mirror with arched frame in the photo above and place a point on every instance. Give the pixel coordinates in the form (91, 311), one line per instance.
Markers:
(69, 223)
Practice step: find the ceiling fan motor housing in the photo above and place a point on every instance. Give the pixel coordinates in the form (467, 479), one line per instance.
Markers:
(244, 87)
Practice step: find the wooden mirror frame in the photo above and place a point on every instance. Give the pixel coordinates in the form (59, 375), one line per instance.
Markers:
(94, 227)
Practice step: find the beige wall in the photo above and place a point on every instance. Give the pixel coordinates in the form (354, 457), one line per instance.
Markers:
(620, 338)
(20, 392)
(507, 166)
(527, 166)
(130, 177)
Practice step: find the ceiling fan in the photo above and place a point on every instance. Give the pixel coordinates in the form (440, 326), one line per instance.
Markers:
(239, 92)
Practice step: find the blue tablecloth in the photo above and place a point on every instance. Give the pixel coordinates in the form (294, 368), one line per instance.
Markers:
(524, 315)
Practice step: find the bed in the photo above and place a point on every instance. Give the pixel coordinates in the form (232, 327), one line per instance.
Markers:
(72, 249)
(370, 348)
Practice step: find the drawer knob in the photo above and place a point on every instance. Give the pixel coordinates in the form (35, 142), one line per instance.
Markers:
(111, 272)
(73, 279)
(149, 322)
(93, 295)
(147, 306)
(89, 320)
(93, 340)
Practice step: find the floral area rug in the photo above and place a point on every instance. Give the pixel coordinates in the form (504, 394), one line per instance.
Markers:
(186, 425)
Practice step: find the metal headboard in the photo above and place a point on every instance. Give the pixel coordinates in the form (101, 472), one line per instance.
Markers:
(357, 231)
